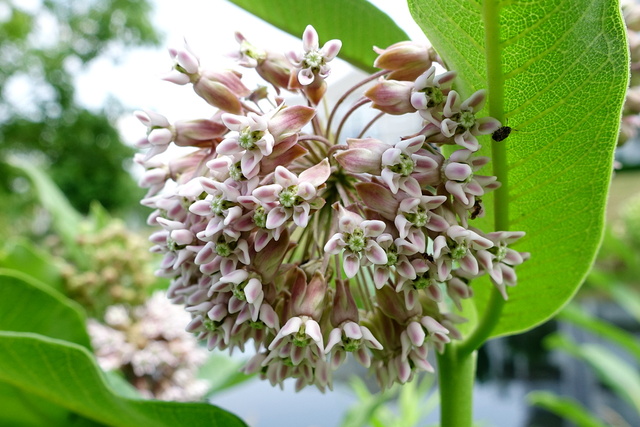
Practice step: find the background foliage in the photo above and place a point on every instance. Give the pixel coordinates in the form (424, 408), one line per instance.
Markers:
(42, 50)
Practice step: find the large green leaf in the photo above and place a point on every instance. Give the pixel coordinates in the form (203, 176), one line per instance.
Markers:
(22, 255)
(558, 72)
(67, 375)
(358, 23)
(30, 306)
(21, 409)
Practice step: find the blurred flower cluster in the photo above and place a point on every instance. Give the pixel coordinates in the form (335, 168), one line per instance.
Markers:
(277, 231)
(108, 270)
(115, 268)
(150, 346)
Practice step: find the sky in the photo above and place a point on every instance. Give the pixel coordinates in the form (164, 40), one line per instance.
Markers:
(208, 26)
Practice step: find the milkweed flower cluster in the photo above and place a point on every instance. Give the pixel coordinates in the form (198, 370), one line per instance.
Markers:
(114, 268)
(149, 345)
(278, 233)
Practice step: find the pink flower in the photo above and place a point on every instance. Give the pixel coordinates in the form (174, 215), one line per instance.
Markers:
(460, 120)
(499, 261)
(398, 252)
(429, 91)
(293, 196)
(414, 213)
(220, 206)
(423, 281)
(257, 136)
(313, 62)
(460, 245)
(404, 159)
(159, 133)
(357, 238)
(271, 66)
(350, 337)
(461, 182)
(221, 89)
(251, 139)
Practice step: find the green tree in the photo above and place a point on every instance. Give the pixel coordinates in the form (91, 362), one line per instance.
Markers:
(80, 148)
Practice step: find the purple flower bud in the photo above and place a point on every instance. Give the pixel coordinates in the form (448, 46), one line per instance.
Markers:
(344, 306)
(196, 132)
(407, 60)
(391, 96)
(307, 299)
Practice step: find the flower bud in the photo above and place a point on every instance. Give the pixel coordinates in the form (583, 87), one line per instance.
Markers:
(195, 132)
(344, 306)
(267, 262)
(314, 91)
(221, 89)
(288, 121)
(307, 299)
(275, 69)
(407, 60)
(391, 96)
(363, 155)
(392, 304)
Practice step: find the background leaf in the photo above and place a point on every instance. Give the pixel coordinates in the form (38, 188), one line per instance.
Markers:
(222, 372)
(572, 313)
(623, 378)
(29, 306)
(65, 217)
(67, 375)
(563, 70)
(358, 23)
(564, 407)
(22, 255)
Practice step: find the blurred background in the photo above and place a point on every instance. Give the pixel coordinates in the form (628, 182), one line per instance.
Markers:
(72, 73)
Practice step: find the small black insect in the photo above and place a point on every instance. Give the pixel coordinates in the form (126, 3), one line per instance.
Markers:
(477, 209)
(501, 134)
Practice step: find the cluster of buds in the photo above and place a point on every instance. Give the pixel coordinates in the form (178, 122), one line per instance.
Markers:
(149, 345)
(275, 230)
(114, 269)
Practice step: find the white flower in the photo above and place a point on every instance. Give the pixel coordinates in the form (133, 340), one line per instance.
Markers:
(357, 238)
(313, 62)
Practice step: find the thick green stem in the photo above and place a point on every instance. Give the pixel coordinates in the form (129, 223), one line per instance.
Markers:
(458, 363)
(488, 321)
(456, 375)
(495, 89)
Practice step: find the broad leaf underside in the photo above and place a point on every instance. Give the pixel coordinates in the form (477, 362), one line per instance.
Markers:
(565, 72)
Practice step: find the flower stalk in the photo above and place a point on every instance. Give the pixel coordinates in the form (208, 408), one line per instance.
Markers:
(456, 376)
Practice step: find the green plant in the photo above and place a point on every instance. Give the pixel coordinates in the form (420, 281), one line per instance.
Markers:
(559, 79)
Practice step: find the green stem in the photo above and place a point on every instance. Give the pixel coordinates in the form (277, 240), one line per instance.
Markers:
(495, 89)
(456, 375)
(485, 325)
